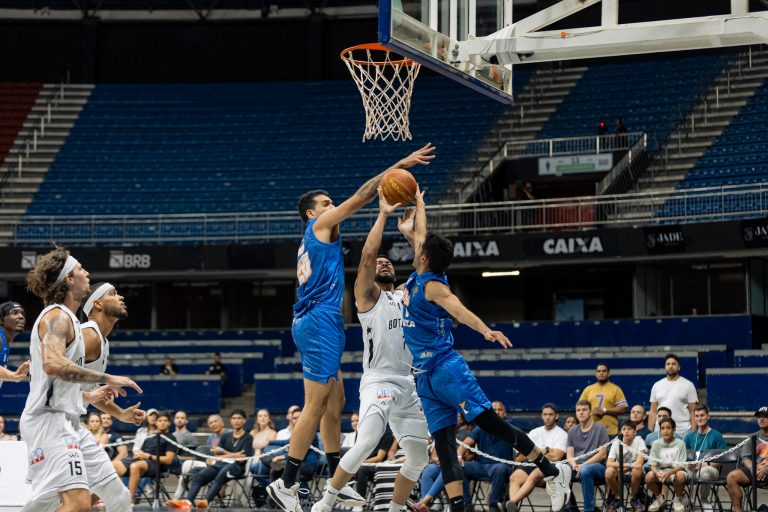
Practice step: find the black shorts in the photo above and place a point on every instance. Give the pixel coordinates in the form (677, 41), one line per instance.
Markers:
(527, 469)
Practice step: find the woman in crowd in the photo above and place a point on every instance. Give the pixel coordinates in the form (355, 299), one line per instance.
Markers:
(263, 431)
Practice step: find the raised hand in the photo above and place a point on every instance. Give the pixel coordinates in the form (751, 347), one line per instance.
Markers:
(22, 371)
(498, 337)
(420, 156)
(133, 415)
(405, 223)
(384, 206)
(117, 382)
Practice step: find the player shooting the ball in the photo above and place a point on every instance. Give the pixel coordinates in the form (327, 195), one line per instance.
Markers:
(318, 329)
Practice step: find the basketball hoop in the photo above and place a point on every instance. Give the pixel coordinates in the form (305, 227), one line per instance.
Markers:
(386, 85)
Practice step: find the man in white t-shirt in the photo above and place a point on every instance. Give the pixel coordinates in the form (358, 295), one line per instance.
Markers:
(633, 456)
(676, 393)
(553, 441)
(285, 434)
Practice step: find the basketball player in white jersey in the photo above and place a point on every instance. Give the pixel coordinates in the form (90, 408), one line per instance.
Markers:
(104, 307)
(52, 413)
(387, 389)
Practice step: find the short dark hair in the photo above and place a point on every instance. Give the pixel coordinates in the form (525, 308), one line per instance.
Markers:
(608, 368)
(584, 403)
(549, 405)
(165, 414)
(671, 356)
(439, 251)
(385, 257)
(701, 407)
(662, 408)
(630, 424)
(240, 412)
(670, 421)
(307, 202)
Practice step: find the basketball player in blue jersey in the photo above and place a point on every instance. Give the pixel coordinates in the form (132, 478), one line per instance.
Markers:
(445, 383)
(318, 327)
(12, 321)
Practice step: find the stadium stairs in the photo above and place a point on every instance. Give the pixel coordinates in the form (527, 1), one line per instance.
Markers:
(541, 92)
(66, 102)
(723, 100)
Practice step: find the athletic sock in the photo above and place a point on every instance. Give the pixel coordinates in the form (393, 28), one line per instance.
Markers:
(291, 471)
(546, 467)
(457, 503)
(394, 507)
(330, 496)
(333, 462)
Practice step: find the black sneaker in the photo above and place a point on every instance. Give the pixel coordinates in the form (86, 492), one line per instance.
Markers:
(510, 506)
(638, 505)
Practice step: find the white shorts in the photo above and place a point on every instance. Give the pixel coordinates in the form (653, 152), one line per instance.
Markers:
(395, 398)
(98, 467)
(56, 463)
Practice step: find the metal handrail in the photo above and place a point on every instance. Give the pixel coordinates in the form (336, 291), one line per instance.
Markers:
(536, 148)
(679, 206)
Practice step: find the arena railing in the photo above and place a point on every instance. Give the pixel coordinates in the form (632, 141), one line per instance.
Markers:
(674, 207)
(542, 148)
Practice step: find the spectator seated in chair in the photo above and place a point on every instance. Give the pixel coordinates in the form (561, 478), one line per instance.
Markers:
(702, 439)
(671, 450)
(145, 460)
(742, 476)
(192, 466)
(115, 452)
(587, 436)
(639, 416)
(633, 457)
(553, 441)
(236, 444)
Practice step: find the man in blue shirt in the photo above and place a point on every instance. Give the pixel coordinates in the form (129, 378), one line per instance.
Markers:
(701, 439)
(12, 321)
(483, 468)
(318, 328)
(445, 383)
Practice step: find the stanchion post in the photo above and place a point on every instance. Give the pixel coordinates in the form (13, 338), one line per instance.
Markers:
(754, 471)
(156, 501)
(621, 475)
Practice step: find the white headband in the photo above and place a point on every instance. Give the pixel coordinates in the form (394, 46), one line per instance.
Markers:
(68, 267)
(96, 295)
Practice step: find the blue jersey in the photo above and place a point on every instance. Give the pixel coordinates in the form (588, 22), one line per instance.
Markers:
(426, 326)
(320, 270)
(4, 351)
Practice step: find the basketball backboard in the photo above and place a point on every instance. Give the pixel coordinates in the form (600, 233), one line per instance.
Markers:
(429, 31)
(476, 42)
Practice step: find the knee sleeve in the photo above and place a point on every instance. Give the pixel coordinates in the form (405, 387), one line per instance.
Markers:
(369, 433)
(114, 495)
(416, 457)
(445, 446)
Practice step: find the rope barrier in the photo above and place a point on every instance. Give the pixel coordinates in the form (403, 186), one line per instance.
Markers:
(587, 455)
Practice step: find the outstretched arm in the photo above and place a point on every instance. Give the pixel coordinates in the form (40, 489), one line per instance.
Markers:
(367, 192)
(16, 376)
(440, 294)
(54, 331)
(365, 287)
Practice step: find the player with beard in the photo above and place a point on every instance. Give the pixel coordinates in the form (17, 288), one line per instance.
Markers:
(104, 307)
(12, 321)
(387, 389)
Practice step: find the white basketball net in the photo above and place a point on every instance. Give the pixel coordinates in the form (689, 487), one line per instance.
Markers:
(386, 85)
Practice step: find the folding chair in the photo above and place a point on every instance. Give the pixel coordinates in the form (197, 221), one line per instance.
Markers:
(727, 463)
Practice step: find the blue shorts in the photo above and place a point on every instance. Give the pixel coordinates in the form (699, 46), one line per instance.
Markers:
(319, 336)
(448, 388)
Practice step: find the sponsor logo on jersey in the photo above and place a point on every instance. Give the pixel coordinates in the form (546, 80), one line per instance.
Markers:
(72, 443)
(463, 405)
(425, 354)
(36, 456)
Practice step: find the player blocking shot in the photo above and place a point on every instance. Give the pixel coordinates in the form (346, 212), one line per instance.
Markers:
(318, 326)
(445, 383)
(51, 417)
(387, 389)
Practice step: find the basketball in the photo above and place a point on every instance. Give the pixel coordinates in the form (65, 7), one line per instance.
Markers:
(398, 186)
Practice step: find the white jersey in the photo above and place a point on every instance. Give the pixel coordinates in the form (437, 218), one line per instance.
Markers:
(384, 349)
(100, 363)
(48, 394)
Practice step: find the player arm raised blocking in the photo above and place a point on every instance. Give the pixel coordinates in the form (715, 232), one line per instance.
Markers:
(15, 376)
(330, 219)
(55, 329)
(366, 291)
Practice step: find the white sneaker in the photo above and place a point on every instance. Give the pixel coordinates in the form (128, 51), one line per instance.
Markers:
(706, 506)
(677, 505)
(658, 502)
(287, 498)
(559, 487)
(321, 507)
(349, 497)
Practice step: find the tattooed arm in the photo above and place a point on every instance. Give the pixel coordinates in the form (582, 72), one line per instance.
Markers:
(54, 330)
